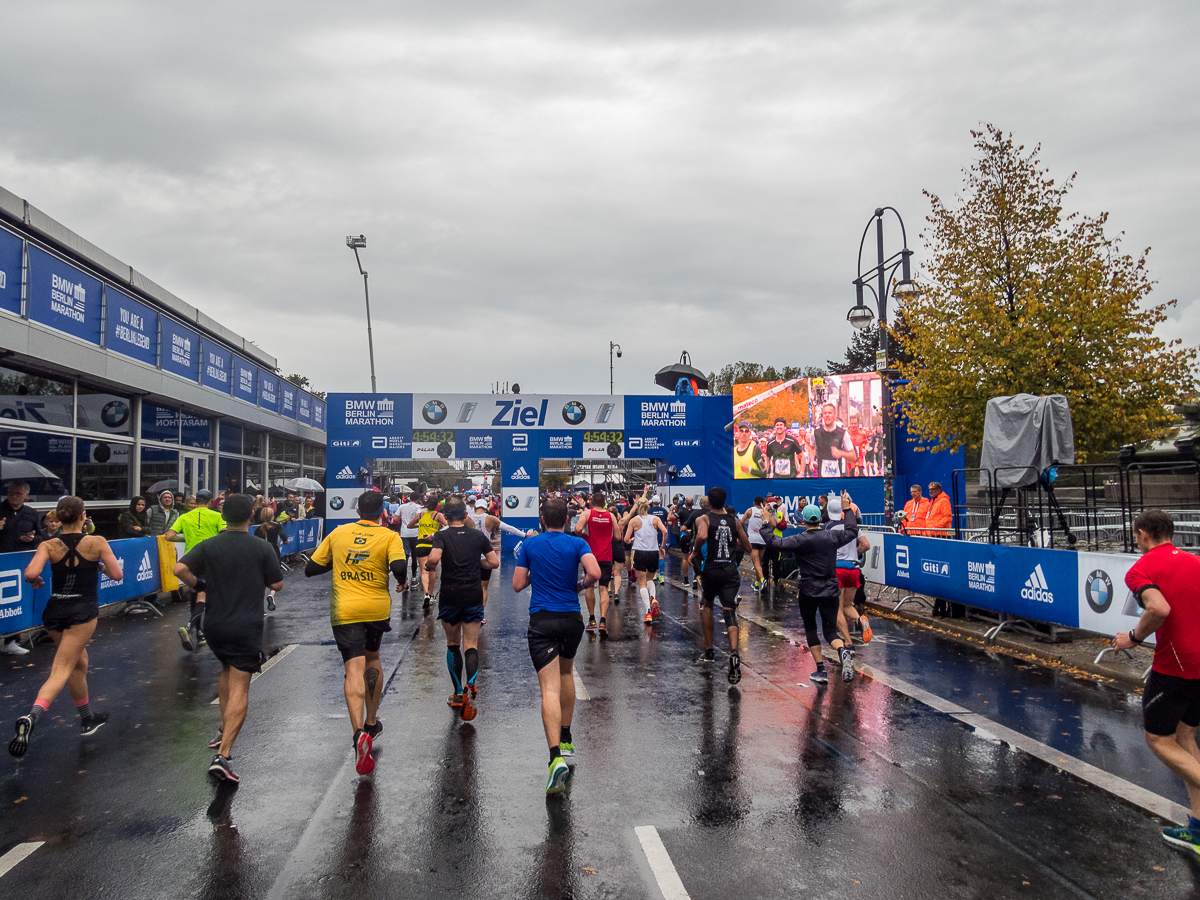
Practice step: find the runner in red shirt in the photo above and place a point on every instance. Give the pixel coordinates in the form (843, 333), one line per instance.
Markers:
(1166, 583)
(597, 525)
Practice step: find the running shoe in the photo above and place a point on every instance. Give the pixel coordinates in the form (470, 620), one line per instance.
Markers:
(603, 630)
(468, 711)
(865, 629)
(649, 620)
(1187, 838)
(654, 610)
(735, 668)
(820, 676)
(221, 770)
(426, 603)
(847, 659)
(662, 578)
(591, 625)
(186, 638)
(695, 584)
(567, 749)
(215, 741)
(373, 730)
(556, 781)
(90, 725)
(364, 763)
(707, 656)
(758, 585)
(455, 701)
(24, 728)
(271, 601)
(13, 648)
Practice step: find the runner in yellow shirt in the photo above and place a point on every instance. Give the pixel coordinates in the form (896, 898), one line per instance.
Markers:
(360, 611)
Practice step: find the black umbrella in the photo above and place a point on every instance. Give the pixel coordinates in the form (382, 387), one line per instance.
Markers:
(668, 376)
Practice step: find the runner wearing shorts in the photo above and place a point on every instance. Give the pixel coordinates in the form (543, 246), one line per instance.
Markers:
(719, 534)
(465, 554)
(642, 534)
(360, 611)
(492, 526)
(618, 554)
(427, 525)
(1166, 583)
(598, 526)
(848, 573)
(550, 563)
(233, 569)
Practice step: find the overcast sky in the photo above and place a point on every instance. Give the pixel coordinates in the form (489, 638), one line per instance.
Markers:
(535, 179)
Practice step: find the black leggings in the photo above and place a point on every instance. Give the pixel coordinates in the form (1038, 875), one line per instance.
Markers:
(828, 607)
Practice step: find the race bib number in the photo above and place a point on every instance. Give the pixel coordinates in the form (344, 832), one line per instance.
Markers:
(783, 465)
(830, 468)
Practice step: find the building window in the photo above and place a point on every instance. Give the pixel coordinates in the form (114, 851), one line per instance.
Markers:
(279, 474)
(252, 444)
(102, 469)
(252, 477)
(36, 399)
(231, 438)
(285, 451)
(160, 471)
(160, 424)
(100, 410)
(42, 460)
(195, 431)
(314, 456)
(231, 476)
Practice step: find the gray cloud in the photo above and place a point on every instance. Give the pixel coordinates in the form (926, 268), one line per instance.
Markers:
(536, 180)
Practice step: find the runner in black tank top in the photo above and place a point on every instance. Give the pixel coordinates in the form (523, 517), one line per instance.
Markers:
(75, 562)
(721, 534)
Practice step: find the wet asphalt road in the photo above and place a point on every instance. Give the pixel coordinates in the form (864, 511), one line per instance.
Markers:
(773, 789)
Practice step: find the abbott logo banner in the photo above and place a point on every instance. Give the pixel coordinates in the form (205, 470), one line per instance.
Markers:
(902, 561)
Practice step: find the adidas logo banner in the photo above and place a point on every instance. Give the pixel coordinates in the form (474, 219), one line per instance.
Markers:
(687, 472)
(145, 570)
(1036, 587)
(520, 475)
(346, 474)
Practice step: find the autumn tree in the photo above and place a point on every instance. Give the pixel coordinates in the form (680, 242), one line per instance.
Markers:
(1017, 296)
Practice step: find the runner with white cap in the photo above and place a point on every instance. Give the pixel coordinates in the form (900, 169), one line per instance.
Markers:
(491, 526)
(848, 573)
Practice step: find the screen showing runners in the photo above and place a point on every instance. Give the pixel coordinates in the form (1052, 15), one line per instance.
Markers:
(828, 427)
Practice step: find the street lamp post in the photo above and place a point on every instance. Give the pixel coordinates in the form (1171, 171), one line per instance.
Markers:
(860, 316)
(611, 348)
(355, 242)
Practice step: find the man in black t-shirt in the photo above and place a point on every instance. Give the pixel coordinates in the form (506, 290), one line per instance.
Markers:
(784, 453)
(719, 535)
(232, 569)
(463, 552)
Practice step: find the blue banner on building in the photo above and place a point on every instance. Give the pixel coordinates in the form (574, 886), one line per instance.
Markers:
(63, 297)
(132, 328)
(11, 248)
(318, 415)
(305, 402)
(245, 380)
(287, 398)
(180, 350)
(218, 367)
(268, 390)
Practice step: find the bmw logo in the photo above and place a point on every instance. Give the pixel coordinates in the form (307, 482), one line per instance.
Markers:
(115, 413)
(511, 501)
(336, 502)
(434, 412)
(1099, 591)
(574, 413)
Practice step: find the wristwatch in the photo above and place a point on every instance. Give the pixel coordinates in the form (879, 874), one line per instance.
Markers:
(1133, 638)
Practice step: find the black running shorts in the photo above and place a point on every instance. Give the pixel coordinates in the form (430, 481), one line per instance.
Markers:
(685, 542)
(1169, 700)
(420, 551)
(359, 638)
(237, 659)
(722, 583)
(606, 567)
(60, 615)
(457, 615)
(485, 576)
(645, 560)
(553, 634)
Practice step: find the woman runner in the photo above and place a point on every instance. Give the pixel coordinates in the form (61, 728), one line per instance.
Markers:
(428, 523)
(76, 561)
(642, 533)
(752, 520)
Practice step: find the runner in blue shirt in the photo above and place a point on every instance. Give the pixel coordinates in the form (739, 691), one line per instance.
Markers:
(550, 562)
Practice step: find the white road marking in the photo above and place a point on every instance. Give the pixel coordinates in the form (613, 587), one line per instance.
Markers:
(991, 730)
(16, 854)
(270, 662)
(581, 692)
(660, 863)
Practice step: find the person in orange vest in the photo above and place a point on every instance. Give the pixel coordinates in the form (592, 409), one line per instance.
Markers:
(940, 517)
(915, 512)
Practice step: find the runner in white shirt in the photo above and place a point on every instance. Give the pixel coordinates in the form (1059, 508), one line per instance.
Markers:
(492, 526)
(643, 530)
(409, 510)
(752, 520)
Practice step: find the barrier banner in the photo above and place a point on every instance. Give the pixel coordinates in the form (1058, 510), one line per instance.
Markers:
(20, 605)
(169, 553)
(303, 536)
(1106, 605)
(139, 570)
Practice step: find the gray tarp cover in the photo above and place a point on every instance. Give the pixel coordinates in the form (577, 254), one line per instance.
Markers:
(1023, 435)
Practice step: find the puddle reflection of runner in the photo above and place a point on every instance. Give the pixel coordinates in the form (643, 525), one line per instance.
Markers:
(720, 797)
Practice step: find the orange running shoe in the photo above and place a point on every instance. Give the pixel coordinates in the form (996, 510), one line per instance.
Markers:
(469, 711)
(654, 610)
(867, 634)
(455, 701)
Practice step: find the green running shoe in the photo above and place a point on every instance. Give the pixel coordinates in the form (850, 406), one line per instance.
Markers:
(1183, 838)
(567, 749)
(556, 782)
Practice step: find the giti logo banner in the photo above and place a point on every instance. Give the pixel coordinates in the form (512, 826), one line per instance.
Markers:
(518, 411)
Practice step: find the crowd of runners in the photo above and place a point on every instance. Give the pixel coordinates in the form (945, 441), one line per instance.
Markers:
(583, 546)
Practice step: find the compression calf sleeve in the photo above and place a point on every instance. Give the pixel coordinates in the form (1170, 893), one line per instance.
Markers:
(454, 662)
(644, 593)
(472, 660)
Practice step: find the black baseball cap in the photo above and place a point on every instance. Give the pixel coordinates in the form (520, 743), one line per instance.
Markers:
(204, 494)
(745, 426)
(238, 508)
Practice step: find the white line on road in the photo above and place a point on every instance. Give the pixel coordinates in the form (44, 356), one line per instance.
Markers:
(270, 662)
(990, 729)
(16, 854)
(660, 863)
(581, 692)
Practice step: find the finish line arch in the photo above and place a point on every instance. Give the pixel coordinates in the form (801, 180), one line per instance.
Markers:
(521, 430)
